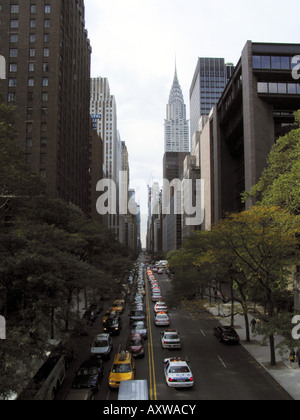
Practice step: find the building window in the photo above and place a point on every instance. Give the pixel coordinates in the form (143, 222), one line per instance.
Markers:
(43, 142)
(44, 127)
(47, 8)
(43, 158)
(45, 96)
(32, 52)
(47, 23)
(13, 68)
(29, 112)
(28, 143)
(32, 38)
(12, 82)
(13, 52)
(14, 8)
(43, 173)
(13, 38)
(11, 97)
(32, 23)
(30, 81)
(29, 96)
(45, 81)
(30, 66)
(46, 52)
(45, 66)
(14, 24)
(32, 8)
(46, 37)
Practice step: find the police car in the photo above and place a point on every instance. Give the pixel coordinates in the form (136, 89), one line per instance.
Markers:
(161, 319)
(178, 372)
(170, 339)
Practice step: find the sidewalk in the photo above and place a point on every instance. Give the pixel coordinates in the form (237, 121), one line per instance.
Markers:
(283, 373)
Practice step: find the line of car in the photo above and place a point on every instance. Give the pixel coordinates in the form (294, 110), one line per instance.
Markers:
(177, 370)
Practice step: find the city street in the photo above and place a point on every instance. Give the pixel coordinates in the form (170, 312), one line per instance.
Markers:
(221, 372)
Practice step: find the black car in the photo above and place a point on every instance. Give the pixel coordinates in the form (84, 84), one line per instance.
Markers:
(137, 316)
(89, 375)
(113, 326)
(226, 335)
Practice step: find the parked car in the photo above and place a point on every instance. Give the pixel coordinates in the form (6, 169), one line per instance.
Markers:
(137, 316)
(79, 395)
(226, 335)
(139, 327)
(135, 344)
(102, 346)
(89, 375)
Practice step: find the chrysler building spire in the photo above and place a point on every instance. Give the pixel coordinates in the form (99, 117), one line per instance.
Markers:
(176, 125)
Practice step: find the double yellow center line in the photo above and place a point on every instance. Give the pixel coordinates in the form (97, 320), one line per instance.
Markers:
(152, 390)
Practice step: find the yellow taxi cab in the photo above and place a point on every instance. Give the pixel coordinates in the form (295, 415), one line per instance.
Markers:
(110, 313)
(118, 305)
(123, 369)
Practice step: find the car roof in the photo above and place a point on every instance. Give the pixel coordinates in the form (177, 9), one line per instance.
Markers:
(123, 357)
(102, 335)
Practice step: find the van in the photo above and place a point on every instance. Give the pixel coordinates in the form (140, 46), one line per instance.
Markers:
(133, 390)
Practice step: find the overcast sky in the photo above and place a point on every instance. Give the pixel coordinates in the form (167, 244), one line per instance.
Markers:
(135, 42)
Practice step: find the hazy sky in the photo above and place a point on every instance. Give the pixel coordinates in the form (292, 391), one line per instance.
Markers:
(135, 42)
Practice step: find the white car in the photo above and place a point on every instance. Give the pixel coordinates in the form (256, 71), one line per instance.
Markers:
(161, 319)
(160, 306)
(178, 372)
(170, 339)
(156, 297)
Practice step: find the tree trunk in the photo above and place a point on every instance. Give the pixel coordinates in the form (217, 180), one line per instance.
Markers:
(272, 350)
(52, 324)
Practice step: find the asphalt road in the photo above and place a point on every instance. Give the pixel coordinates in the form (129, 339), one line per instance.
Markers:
(221, 372)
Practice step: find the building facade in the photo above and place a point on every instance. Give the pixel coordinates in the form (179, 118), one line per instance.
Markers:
(47, 52)
(210, 78)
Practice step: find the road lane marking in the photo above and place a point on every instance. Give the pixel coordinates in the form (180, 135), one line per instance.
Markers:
(203, 333)
(222, 362)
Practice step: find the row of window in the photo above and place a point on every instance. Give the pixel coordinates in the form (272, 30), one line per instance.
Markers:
(13, 52)
(12, 97)
(13, 67)
(14, 38)
(14, 23)
(279, 88)
(273, 62)
(14, 8)
(12, 81)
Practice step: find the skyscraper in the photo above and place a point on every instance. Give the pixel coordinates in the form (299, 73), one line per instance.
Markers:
(210, 78)
(176, 125)
(48, 71)
(103, 111)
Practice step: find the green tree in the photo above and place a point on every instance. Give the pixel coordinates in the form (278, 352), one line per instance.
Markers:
(279, 184)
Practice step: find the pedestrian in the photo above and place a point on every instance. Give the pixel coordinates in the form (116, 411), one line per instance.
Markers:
(253, 324)
(298, 356)
(292, 358)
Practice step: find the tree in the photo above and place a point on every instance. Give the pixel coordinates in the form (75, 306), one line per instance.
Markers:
(279, 182)
(263, 246)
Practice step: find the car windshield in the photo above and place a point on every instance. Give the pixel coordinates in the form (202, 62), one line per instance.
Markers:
(135, 343)
(162, 316)
(88, 371)
(122, 368)
(179, 369)
(171, 336)
(100, 343)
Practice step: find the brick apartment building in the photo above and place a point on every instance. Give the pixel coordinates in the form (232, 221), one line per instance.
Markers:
(47, 54)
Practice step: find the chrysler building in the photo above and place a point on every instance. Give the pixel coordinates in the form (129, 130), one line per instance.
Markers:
(176, 125)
